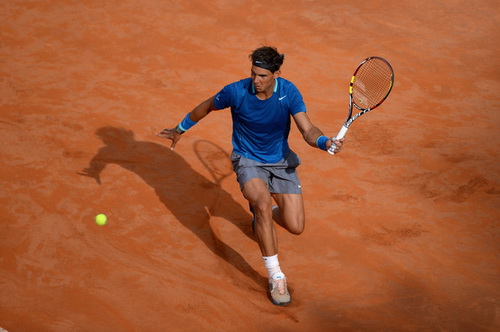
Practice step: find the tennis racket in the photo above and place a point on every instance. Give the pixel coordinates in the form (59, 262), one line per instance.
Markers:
(370, 85)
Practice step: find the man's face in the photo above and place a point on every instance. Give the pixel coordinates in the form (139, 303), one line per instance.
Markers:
(263, 79)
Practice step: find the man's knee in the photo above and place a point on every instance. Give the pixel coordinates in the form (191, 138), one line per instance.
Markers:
(297, 229)
(296, 226)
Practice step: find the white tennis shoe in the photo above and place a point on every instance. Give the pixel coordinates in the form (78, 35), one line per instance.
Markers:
(279, 290)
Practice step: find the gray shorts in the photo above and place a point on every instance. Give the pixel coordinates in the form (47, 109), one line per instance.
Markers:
(280, 177)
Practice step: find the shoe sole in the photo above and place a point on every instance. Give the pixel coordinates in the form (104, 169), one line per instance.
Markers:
(284, 304)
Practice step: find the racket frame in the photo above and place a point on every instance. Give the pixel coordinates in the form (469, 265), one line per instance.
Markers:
(350, 119)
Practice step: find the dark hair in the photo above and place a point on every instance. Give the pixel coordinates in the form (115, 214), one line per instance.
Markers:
(267, 57)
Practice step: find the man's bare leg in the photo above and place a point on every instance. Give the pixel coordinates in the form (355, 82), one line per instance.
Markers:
(290, 214)
(257, 194)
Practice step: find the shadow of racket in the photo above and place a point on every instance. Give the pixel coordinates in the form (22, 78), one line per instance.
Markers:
(215, 159)
(218, 163)
(223, 205)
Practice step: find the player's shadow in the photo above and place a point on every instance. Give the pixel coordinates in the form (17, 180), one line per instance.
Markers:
(190, 196)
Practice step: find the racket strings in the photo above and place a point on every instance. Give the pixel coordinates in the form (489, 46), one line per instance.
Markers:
(372, 83)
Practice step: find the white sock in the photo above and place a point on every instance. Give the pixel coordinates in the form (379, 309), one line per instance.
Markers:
(272, 265)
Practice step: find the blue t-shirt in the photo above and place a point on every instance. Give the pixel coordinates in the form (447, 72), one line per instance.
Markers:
(261, 127)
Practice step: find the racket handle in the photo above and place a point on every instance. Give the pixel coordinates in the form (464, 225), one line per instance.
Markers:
(340, 135)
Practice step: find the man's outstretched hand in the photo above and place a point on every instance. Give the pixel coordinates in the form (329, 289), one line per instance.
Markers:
(170, 134)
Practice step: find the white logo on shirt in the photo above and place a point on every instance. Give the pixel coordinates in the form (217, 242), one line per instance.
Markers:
(281, 98)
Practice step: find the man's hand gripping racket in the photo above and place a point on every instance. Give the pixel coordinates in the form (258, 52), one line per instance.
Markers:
(370, 85)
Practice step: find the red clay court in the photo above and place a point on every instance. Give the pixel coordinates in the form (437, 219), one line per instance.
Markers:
(402, 227)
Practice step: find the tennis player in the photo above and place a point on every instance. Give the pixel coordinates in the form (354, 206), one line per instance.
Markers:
(262, 107)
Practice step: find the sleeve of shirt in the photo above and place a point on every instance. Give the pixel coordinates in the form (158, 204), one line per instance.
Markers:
(297, 104)
(224, 98)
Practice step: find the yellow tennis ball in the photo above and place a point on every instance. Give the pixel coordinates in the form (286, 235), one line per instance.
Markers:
(101, 219)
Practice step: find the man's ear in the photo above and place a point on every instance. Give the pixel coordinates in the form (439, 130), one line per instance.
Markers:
(277, 73)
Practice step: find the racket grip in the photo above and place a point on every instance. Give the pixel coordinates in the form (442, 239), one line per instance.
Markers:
(340, 135)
